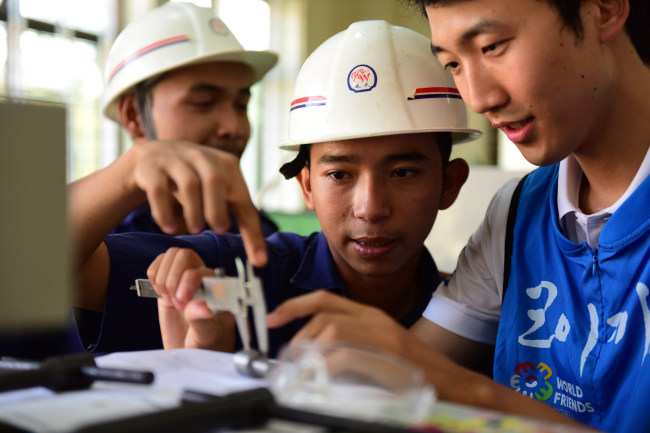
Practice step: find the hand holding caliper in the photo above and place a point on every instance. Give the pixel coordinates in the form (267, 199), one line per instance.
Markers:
(238, 295)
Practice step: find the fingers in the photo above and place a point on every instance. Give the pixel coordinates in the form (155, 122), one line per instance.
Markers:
(184, 322)
(217, 179)
(152, 273)
(251, 232)
(234, 193)
(310, 304)
(338, 319)
(173, 327)
(177, 274)
(156, 185)
(208, 185)
(196, 327)
(207, 330)
(326, 327)
(168, 172)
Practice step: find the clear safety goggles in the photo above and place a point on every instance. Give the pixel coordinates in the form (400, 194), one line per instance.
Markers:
(350, 380)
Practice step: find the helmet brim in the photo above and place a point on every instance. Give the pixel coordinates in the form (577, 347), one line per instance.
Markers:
(457, 136)
(259, 62)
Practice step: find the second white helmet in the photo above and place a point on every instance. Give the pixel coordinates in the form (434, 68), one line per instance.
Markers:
(374, 79)
(169, 37)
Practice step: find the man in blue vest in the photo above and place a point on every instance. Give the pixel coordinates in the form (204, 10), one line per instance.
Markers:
(569, 83)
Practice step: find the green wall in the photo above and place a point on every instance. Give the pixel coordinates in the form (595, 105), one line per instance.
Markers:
(303, 223)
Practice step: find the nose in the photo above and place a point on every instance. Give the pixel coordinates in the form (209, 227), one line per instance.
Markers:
(231, 130)
(231, 122)
(481, 91)
(371, 199)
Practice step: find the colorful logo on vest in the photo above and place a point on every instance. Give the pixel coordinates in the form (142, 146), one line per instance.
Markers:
(362, 78)
(533, 381)
(537, 382)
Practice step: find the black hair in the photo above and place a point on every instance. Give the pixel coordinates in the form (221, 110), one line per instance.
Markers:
(292, 168)
(637, 25)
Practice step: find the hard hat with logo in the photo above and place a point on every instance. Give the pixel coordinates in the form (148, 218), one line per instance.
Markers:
(374, 79)
(169, 37)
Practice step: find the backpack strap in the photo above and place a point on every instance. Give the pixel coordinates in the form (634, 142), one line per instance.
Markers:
(510, 226)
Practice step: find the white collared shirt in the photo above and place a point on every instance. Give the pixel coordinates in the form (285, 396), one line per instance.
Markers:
(475, 310)
(576, 225)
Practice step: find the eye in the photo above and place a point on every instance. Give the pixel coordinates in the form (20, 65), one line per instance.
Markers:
(241, 104)
(202, 102)
(489, 48)
(404, 172)
(451, 66)
(337, 175)
(494, 47)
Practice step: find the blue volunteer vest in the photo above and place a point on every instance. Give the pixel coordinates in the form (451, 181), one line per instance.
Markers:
(575, 321)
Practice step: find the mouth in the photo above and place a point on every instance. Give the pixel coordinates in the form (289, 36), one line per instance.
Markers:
(234, 148)
(517, 132)
(373, 247)
(372, 242)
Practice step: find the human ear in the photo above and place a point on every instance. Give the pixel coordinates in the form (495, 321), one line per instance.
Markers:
(305, 186)
(611, 17)
(127, 108)
(456, 174)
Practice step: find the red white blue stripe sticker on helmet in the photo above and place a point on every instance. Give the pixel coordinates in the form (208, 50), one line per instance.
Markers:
(149, 48)
(435, 92)
(308, 101)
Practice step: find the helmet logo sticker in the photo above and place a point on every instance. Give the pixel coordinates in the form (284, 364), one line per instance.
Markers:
(308, 101)
(434, 92)
(218, 26)
(362, 78)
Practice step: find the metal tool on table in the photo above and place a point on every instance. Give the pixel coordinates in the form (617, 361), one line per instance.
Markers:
(64, 373)
(237, 295)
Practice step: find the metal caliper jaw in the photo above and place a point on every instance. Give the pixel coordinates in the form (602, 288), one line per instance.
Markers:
(241, 293)
(237, 295)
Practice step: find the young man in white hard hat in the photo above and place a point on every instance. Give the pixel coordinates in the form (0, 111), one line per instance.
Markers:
(157, 88)
(178, 81)
(373, 117)
(569, 83)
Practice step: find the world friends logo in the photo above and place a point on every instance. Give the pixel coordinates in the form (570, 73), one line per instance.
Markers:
(531, 380)
(538, 381)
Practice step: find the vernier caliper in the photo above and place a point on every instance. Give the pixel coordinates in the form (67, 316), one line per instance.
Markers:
(234, 294)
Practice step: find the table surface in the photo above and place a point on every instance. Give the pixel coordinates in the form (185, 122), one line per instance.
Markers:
(40, 410)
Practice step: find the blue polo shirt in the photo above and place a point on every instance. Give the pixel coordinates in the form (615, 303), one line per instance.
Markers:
(83, 332)
(297, 265)
(141, 220)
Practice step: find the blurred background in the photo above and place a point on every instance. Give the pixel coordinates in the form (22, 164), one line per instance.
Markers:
(55, 51)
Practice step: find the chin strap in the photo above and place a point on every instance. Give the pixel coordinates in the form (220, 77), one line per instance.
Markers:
(292, 168)
(144, 101)
(143, 98)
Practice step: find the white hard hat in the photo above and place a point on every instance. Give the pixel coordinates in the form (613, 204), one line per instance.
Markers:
(374, 79)
(168, 37)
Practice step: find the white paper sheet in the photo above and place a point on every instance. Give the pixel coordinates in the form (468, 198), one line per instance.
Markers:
(179, 369)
